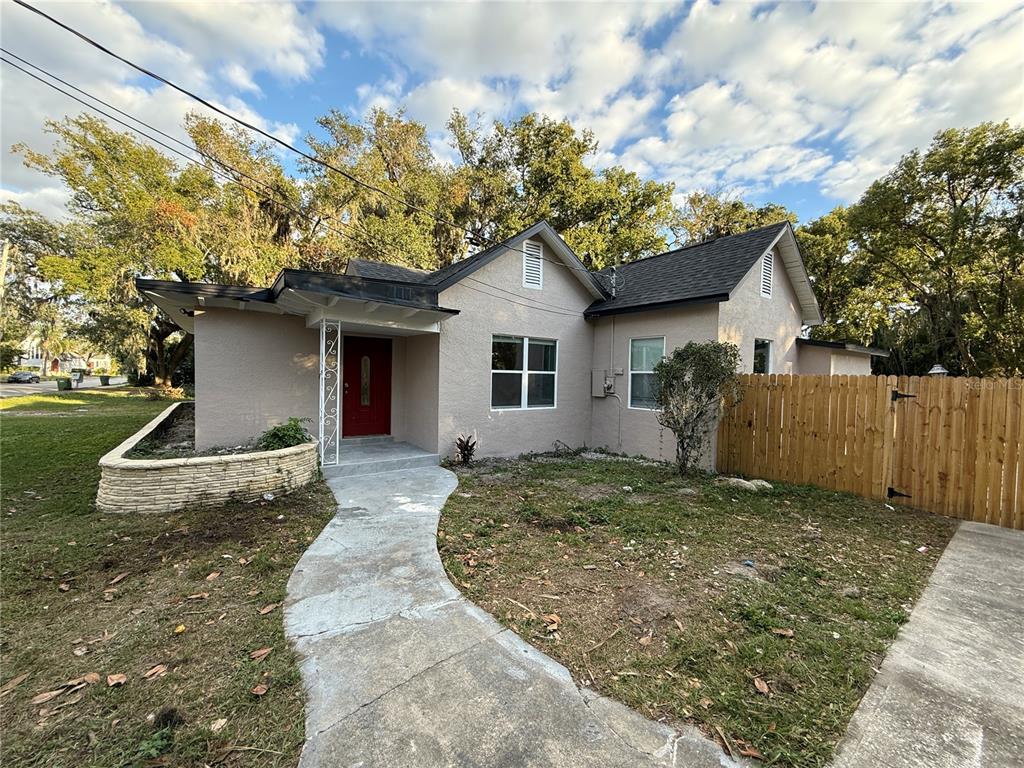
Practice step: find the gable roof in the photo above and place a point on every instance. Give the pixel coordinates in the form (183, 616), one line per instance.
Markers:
(449, 275)
(704, 273)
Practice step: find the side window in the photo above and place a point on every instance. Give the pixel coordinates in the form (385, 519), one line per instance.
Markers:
(644, 354)
(762, 356)
(766, 274)
(533, 265)
(524, 372)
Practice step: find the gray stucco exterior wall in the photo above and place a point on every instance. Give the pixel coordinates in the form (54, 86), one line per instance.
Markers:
(253, 370)
(615, 425)
(821, 361)
(748, 316)
(418, 399)
(464, 401)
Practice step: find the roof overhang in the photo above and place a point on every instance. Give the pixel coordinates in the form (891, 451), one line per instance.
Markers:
(792, 258)
(844, 346)
(714, 298)
(359, 303)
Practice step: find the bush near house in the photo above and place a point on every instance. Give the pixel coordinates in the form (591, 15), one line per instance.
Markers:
(758, 616)
(132, 640)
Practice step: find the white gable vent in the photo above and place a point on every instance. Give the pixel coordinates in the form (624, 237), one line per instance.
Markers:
(766, 274)
(533, 265)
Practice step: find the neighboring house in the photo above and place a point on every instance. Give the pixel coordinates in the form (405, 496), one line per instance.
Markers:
(519, 344)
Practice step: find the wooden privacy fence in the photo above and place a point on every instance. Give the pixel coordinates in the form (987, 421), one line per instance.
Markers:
(944, 444)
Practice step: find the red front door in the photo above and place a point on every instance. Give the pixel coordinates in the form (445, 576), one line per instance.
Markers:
(366, 377)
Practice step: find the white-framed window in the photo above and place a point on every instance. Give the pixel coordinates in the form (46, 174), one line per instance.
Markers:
(533, 264)
(524, 372)
(762, 356)
(644, 354)
(767, 264)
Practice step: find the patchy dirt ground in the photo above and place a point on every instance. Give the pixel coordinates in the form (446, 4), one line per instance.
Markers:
(759, 616)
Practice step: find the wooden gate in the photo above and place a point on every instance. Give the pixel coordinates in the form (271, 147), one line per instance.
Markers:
(944, 444)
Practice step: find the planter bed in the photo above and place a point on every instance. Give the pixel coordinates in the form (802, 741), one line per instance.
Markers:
(163, 485)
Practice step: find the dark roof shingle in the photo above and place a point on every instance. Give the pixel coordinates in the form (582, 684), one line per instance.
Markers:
(379, 270)
(706, 271)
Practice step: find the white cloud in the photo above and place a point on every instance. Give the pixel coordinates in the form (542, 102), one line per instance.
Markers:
(27, 104)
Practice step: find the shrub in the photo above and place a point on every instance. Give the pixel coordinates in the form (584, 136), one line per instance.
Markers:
(693, 383)
(284, 435)
(466, 447)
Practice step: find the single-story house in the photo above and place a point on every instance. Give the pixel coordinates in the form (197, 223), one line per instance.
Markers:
(519, 344)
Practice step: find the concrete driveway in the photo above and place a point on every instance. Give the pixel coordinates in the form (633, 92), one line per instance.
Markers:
(950, 692)
(15, 390)
(401, 670)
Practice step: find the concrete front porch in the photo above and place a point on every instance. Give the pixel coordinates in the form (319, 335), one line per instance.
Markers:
(373, 455)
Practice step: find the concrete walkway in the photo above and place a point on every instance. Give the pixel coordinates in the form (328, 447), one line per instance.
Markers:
(401, 670)
(950, 693)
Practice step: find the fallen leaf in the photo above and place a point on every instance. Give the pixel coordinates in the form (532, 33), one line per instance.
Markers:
(91, 677)
(259, 690)
(120, 577)
(242, 561)
(216, 725)
(179, 629)
(260, 655)
(749, 750)
(761, 685)
(158, 671)
(552, 621)
(65, 587)
(42, 698)
(11, 684)
(783, 632)
(115, 680)
(646, 640)
(268, 608)
(213, 576)
(706, 702)
(80, 650)
(198, 596)
(679, 624)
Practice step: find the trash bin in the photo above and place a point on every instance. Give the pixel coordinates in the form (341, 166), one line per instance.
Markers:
(104, 381)
(63, 384)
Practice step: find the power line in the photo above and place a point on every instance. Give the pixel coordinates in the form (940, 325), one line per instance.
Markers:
(266, 134)
(371, 246)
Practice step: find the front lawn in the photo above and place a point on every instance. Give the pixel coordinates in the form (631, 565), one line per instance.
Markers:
(760, 617)
(173, 603)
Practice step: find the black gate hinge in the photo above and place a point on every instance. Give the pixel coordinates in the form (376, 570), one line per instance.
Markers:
(897, 395)
(892, 493)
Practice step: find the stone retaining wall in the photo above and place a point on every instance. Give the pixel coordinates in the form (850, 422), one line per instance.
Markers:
(167, 485)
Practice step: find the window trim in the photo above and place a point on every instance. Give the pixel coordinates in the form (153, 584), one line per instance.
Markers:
(540, 285)
(630, 371)
(525, 373)
(768, 266)
(771, 356)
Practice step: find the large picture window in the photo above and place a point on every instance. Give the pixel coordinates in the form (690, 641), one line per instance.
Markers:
(644, 354)
(524, 372)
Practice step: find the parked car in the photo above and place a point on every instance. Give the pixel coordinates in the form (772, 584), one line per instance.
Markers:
(23, 377)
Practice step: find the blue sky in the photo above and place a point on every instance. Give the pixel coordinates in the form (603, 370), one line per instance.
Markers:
(801, 104)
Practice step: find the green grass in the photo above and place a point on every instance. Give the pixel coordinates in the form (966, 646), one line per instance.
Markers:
(62, 618)
(640, 601)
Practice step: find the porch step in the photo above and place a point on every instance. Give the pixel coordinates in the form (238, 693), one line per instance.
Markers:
(365, 440)
(370, 458)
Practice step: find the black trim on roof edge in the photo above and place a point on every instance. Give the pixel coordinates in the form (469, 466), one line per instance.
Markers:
(844, 345)
(715, 298)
